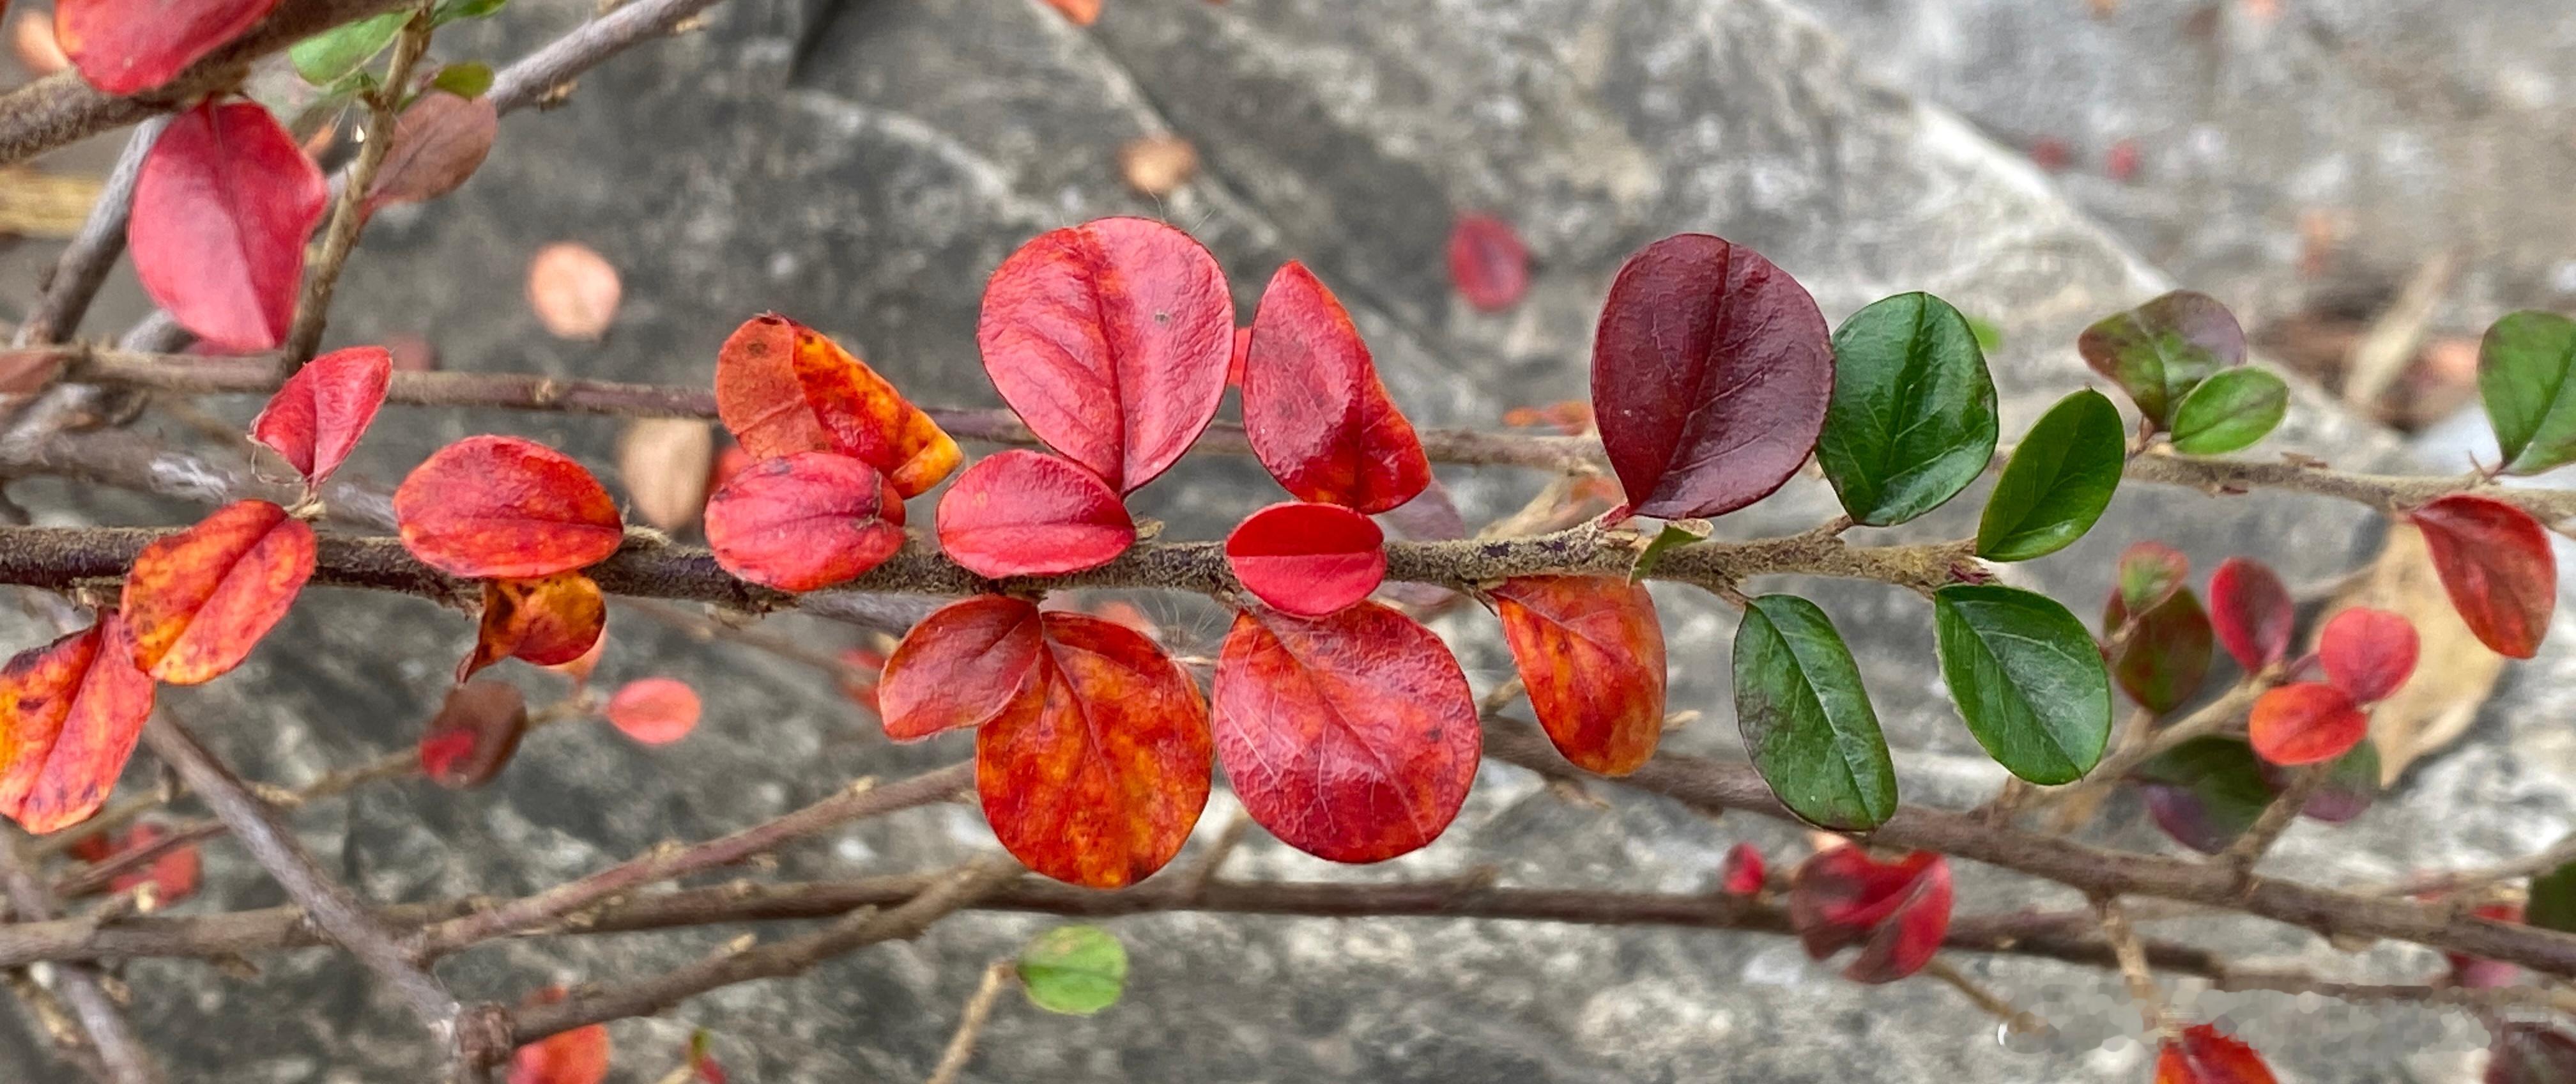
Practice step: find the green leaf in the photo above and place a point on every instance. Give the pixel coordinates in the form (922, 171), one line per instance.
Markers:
(2229, 411)
(1989, 337)
(449, 11)
(329, 56)
(2058, 481)
(2522, 374)
(2161, 350)
(1074, 969)
(1912, 418)
(467, 80)
(2553, 900)
(2217, 793)
(1676, 533)
(2027, 677)
(1807, 720)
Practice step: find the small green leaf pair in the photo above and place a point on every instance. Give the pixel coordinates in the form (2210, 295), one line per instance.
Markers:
(327, 58)
(2179, 357)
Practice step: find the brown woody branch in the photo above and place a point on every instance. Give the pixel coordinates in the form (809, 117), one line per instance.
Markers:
(349, 216)
(80, 271)
(121, 1055)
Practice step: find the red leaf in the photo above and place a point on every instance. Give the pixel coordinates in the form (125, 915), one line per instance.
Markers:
(1110, 340)
(1317, 415)
(438, 142)
(2251, 612)
(784, 388)
(473, 735)
(198, 601)
(2305, 722)
(1098, 776)
(966, 664)
(222, 209)
(70, 713)
(125, 46)
(1591, 653)
(2495, 561)
(2200, 1055)
(317, 416)
(2367, 653)
(1024, 513)
(1351, 737)
(655, 710)
(1898, 912)
(2164, 654)
(578, 1056)
(492, 506)
(1744, 873)
(2530, 1052)
(2479, 973)
(1233, 364)
(173, 875)
(549, 621)
(1710, 372)
(863, 671)
(1307, 559)
(802, 523)
(1488, 262)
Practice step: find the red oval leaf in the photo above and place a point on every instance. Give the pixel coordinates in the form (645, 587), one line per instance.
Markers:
(1110, 340)
(2200, 1055)
(1351, 737)
(2251, 612)
(317, 416)
(784, 388)
(967, 663)
(505, 507)
(1710, 372)
(199, 600)
(1488, 262)
(473, 735)
(2305, 722)
(549, 621)
(2496, 564)
(438, 143)
(655, 710)
(1317, 415)
(70, 713)
(1591, 653)
(1744, 873)
(222, 209)
(126, 46)
(578, 1056)
(801, 523)
(2367, 653)
(1024, 513)
(1098, 778)
(1307, 559)
(1898, 912)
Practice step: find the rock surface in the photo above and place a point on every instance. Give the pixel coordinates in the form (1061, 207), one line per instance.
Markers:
(862, 166)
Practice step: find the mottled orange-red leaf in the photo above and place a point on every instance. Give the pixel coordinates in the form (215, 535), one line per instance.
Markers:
(125, 46)
(473, 735)
(317, 416)
(1351, 737)
(549, 621)
(491, 506)
(578, 1056)
(2305, 722)
(2200, 1055)
(70, 713)
(199, 600)
(655, 710)
(784, 388)
(804, 522)
(965, 664)
(1591, 653)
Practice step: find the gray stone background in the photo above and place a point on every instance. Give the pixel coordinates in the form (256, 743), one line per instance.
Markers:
(862, 164)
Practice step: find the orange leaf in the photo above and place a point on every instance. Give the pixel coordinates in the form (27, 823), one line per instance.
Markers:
(1592, 655)
(2305, 723)
(783, 388)
(473, 734)
(549, 621)
(198, 601)
(804, 522)
(1081, 12)
(2200, 1055)
(317, 416)
(655, 710)
(125, 46)
(492, 506)
(966, 664)
(578, 1056)
(70, 713)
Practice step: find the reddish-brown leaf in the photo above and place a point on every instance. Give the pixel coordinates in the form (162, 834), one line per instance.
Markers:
(2305, 722)
(1591, 653)
(2251, 612)
(1710, 372)
(2530, 1052)
(1488, 262)
(1351, 737)
(1744, 873)
(198, 601)
(1307, 559)
(173, 874)
(126, 46)
(491, 506)
(578, 1056)
(317, 416)
(804, 522)
(2161, 655)
(1097, 778)
(473, 735)
(574, 291)
(2200, 1055)
(2496, 564)
(222, 209)
(1898, 912)
(2367, 653)
(439, 141)
(1318, 416)
(784, 388)
(580, 667)
(2150, 573)
(70, 713)
(655, 710)
(1025, 513)
(1110, 340)
(966, 664)
(548, 621)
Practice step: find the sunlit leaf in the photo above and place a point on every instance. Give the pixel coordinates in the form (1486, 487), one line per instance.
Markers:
(492, 506)
(317, 416)
(126, 46)
(472, 737)
(1912, 419)
(654, 710)
(2367, 653)
(2027, 678)
(783, 388)
(2159, 351)
(2251, 611)
(1318, 417)
(1488, 262)
(2058, 481)
(1590, 652)
(804, 522)
(1806, 717)
(198, 601)
(2305, 722)
(547, 621)
(2522, 375)
(1073, 969)
(1307, 559)
(2496, 563)
(1898, 912)
(1025, 513)
(222, 208)
(70, 713)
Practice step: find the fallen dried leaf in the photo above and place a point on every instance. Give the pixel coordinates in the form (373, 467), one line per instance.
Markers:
(574, 290)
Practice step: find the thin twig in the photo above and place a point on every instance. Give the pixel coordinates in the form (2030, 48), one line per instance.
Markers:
(2242, 855)
(2133, 965)
(2115, 766)
(1994, 1005)
(979, 1008)
(77, 275)
(2556, 855)
(313, 310)
(120, 1053)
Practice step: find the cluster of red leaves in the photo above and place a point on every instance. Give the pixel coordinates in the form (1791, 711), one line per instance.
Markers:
(1897, 912)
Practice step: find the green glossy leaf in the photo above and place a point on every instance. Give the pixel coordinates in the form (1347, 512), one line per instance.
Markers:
(2553, 900)
(2206, 792)
(467, 80)
(2161, 350)
(2522, 374)
(1807, 720)
(2229, 411)
(1912, 418)
(1074, 969)
(330, 56)
(449, 11)
(2058, 481)
(2027, 678)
